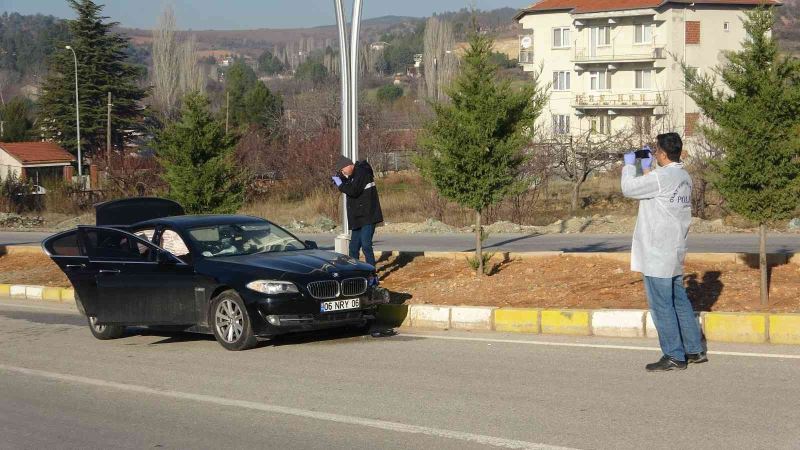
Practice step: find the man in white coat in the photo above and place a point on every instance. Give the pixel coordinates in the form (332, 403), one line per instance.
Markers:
(659, 249)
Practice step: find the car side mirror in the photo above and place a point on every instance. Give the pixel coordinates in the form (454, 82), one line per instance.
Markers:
(312, 245)
(163, 257)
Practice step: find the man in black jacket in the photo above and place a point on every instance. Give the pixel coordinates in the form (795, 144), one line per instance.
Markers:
(357, 182)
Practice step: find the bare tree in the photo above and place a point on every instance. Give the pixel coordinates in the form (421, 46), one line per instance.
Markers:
(439, 57)
(576, 157)
(700, 166)
(176, 71)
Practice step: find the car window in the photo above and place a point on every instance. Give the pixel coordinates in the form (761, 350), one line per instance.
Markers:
(110, 244)
(243, 239)
(64, 245)
(172, 242)
(146, 234)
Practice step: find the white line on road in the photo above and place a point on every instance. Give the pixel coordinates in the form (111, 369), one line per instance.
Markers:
(508, 341)
(603, 346)
(255, 406)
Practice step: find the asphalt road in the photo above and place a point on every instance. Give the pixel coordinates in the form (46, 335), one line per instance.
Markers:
(61, 388)
(698, 243)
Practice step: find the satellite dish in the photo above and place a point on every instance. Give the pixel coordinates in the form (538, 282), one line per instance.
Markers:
(526, 42)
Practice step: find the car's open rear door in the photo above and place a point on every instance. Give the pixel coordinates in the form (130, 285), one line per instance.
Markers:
(67, 251)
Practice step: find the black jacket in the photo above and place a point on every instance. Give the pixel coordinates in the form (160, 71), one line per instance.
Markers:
(363, 205)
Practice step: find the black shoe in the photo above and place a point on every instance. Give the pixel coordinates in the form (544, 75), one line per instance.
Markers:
(696, 358)
(666, 363)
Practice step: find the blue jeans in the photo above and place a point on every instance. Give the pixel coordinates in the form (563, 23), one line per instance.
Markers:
(678, 330)
(361, 240)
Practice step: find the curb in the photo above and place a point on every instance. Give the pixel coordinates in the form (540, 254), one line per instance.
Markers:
(38, 293)
(775, 328)
(751, 328)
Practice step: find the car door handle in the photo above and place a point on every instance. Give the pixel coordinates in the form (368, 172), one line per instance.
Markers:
(109, 271)
(76, 266)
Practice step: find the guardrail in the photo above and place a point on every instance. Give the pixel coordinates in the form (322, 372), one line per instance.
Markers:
(629, 100)
(612, 54)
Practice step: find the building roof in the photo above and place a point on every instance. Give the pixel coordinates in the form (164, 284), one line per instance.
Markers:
(37, 152)
(591, 6)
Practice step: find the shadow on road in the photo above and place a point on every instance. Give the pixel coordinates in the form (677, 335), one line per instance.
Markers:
(597, 247)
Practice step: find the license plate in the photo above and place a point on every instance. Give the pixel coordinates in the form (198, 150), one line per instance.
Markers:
(340, 305)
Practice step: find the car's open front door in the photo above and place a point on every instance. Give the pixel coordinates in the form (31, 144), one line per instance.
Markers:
(138, 283)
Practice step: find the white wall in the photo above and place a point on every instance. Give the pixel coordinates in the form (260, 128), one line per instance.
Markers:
(8, 165)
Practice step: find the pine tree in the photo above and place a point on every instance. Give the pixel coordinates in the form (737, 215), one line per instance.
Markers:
(197, 156)
(473, 149)
(102, 68)
(251, 102)
(756, 122)
(17, 125)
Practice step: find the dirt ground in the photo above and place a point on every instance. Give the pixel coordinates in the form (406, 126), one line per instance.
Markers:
(551, 282)
(573, 282)
(31, 269)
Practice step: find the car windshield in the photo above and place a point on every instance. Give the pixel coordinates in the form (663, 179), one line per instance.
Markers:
(237, 239)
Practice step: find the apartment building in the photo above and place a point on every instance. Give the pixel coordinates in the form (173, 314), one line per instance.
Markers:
(615, 65)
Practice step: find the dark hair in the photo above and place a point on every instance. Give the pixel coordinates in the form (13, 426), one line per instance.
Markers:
(672, 145)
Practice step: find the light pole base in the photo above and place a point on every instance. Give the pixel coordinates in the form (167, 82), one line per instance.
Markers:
(342, 244)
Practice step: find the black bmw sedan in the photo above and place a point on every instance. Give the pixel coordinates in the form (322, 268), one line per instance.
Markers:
(145, 263)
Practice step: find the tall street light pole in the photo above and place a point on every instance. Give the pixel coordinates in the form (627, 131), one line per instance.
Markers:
(77, 116)
(349, 61)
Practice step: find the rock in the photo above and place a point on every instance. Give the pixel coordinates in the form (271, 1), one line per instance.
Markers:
(325, 224)
(794, 224)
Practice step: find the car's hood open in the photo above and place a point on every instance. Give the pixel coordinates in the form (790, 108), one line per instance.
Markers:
(303, 262)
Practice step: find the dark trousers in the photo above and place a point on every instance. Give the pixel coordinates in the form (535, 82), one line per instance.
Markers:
(361, 240)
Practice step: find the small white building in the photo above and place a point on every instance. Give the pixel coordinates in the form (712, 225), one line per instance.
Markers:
(35, 161)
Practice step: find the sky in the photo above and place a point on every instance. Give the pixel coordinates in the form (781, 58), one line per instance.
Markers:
(249, 14)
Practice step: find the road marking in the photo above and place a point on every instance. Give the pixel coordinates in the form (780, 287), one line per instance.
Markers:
(602, 346)
(255, 406)
(510, 341)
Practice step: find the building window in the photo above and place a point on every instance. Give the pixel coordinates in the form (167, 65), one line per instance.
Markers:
(726, 26)
(644, 79)
(561, 81)
(561, 124)
(692, 32)
(603, 36)
(600, 81)
(561, 38)
(601, 124)
(643, 34)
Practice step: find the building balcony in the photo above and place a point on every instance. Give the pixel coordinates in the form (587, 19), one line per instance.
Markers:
(613, 54)
(628, 101)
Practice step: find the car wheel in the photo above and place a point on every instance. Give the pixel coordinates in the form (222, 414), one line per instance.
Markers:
(232, 327)
(105, 332)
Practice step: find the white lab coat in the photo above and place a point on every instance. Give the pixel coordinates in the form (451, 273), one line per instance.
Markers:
(665, 213)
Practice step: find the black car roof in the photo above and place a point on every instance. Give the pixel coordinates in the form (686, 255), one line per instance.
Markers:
(183, 222)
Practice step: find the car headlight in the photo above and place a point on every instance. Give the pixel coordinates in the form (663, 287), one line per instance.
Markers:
(273, 287)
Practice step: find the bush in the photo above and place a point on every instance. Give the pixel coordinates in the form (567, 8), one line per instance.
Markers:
(389, 93)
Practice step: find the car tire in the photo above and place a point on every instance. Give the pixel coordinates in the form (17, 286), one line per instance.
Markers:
(105, 332)
(231, 323)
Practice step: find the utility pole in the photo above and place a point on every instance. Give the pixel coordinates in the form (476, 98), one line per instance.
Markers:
(108, 136)
(227, 111)
(349, 59)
